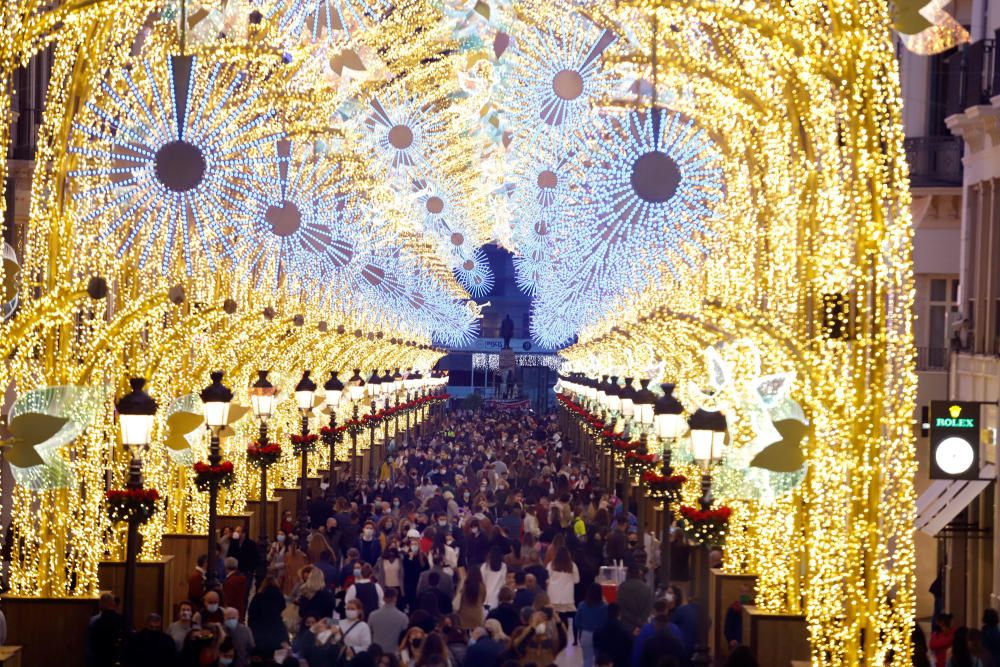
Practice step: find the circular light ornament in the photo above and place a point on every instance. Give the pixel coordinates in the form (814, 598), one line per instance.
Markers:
(166, 155)
(555, 74)
(323, 20)
(647, 187)
(475, 275)
(299, 226)
(954, 455)
(402, 132)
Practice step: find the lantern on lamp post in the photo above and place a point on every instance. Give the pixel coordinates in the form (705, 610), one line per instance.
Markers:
(215, 399)
(136, 414)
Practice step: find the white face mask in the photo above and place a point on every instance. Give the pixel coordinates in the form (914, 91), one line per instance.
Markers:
(236, 536)
(352, 614)
(281, 538)
(369, 532)
(669, 597)
(540, 628)
(414, 547)
(324, 636)
(231, 623)
(212, 607)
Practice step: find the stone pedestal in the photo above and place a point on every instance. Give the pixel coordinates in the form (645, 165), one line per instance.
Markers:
(51, 631)
(776, 639)
(723, 590)
(185, 549)
(154, 586)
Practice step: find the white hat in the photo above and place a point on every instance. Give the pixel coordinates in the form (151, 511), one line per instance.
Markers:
(413, 534)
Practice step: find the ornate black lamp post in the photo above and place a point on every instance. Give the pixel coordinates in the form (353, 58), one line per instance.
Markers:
(136, 413)
(305, 390)
(216, 398)
(262, 398)
(708, 436)
(669, 426)
(334, 392)
(356, 387)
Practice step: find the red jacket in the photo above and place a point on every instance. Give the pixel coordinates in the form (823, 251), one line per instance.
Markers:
(941, 641)
(234, 592)
(196, 587)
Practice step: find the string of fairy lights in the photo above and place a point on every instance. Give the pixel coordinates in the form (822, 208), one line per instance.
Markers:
(691, 192)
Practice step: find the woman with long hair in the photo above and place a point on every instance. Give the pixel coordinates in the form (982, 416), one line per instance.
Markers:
(961, 655)
(412, 646)
(494, 572)
(563, 577)
(471, 597)
(435, 648)
(591, 616)
(315, 599)
(558, 542)
(264, 618)
(294, 560)
(355, 632)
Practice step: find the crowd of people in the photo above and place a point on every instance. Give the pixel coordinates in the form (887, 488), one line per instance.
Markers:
(958, 647)
(481, 544)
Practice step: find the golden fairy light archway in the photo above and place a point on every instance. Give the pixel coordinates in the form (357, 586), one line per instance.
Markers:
(806, 253)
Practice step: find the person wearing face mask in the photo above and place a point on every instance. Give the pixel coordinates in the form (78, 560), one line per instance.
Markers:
(477, 545)
(366, 591)
(240, 636)
(369, 548)
(276, 556)
(355, 634)
(414, 564)
(540, 641)
(211, 612)
(227, 653)
(180, 628)
(389, 570)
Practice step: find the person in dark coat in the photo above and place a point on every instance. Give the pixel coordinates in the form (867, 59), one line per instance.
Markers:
(264, 618)
(485, 650)
(244, 550)
(614, 639)
(104, 634)
(662, 644)
(150, 647)
(505, 612)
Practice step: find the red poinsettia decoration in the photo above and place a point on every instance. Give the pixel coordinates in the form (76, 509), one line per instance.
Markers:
(263, 456)
(706, 527)
(205, 475)
(663, 488)
(304, 443)
(124, 504)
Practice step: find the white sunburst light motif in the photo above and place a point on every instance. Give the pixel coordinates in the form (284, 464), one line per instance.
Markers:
(474, 273)
(402, 132)
(166, 161)
(296, 229)
(646, 188)
(322, 19)
(554, 76)
(645, 193)
(540, 193)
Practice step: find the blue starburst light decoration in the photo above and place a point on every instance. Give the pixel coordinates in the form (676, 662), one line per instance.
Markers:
(475, 274)
(402, 132)
(645, 191)
(554, 76)
(298, 224)
(166, 157)
(318, 20)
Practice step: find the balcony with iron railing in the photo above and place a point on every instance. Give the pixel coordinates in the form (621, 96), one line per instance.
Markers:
(934, 161)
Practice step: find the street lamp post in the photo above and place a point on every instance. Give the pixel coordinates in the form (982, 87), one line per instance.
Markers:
(216, 398)
(371, 439)
(356, 389)
(669, 426)
(305, 390)
(262, 397)
(334, 391)
(708, 436)
(136, 413)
